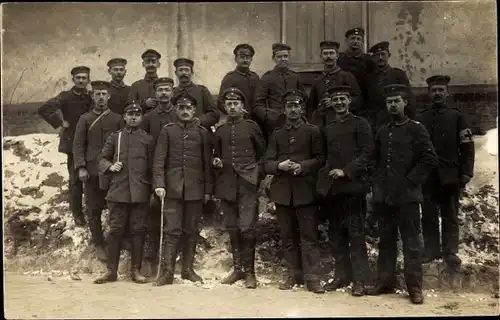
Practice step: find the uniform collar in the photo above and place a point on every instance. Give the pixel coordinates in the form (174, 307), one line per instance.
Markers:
(186, 85)
(398, 124)
(131, 131)
(383, 70)
(237, 120)
(350, 54)
(440, 108)
(149, 78)
(243, 72)
(161, 109)
(99, 113)
(281, 70)
(344, 119)
(79, 93)
(185, 125)
(332, 71)
(296, 125)
(117, 84)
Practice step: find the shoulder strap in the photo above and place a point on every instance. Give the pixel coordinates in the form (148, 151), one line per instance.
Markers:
(98, 118)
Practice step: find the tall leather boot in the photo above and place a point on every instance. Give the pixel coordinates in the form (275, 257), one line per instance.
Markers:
(114, 247)
(188, 259)
(167, 266)
(237, 274)
(414, 287)
(137, 248)
(248, 249)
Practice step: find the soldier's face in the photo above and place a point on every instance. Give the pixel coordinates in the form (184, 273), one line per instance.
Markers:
(355, 41)
(243, 60)
(133, 119)
(381, 58)
(151, 64)
(234, 108)
(293, 110)
(185, 112)
(281, 58)
(329, 56)
(341, 103)
(438, 93)
(100, 97)
(164, 93)
(81, 80)
(117, 72)
(396, 105)
(184, 73)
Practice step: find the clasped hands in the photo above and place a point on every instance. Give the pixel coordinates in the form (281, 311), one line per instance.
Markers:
(290, 166)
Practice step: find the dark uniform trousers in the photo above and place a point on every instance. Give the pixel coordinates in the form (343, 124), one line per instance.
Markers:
(346, 217)
(75, 187)
(406, 219)
(441, 200)
(240, 218)
(95, 199)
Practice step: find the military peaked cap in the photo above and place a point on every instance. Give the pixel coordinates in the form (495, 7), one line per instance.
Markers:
(392, 90)
(280, 47)
(233, 94)
(244, 49)
(438, 80)
(339, 89)
(183, 98)
(356, 31)
(296, 96)
(163, 81)
(151, 53)
(381, 46)
(117, 62)
(183, 62)
(100, 85)
(327, 44)
(133, 106)
(80, 69)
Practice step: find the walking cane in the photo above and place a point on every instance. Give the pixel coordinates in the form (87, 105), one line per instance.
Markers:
(160, 251)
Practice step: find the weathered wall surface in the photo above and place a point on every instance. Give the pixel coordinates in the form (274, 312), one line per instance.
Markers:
(42, 42)
(455, 38)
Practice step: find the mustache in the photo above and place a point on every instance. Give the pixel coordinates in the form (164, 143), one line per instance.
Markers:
(183, 76)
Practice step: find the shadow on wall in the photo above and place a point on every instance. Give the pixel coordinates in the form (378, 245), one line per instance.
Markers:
(479, 104)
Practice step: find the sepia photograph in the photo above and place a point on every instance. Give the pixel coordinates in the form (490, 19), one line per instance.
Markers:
(174, 160)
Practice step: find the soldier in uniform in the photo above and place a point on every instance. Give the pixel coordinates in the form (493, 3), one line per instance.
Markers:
(91, 132)
(71, 105)
(127, 158)
(381, 75)
(153, 122)
(404, 156)
(331, 76)
(293, 156)
(452, 138)
(119, 91)
(182, 175)
(344, 181)
(357, 62)
(238, 147)
(205, 112)
(241, 78)
(142, 90)
(274, 83)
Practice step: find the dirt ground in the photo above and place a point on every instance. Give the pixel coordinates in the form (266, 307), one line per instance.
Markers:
(60, 297)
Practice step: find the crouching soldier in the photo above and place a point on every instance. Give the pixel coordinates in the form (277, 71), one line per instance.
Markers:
(404, 156)
(293, 156)
(127, 158)
(238, 146)
(182, 174)
(91, 133)
(345, 182)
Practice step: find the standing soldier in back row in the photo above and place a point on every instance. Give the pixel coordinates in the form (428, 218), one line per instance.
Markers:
(118, 91)
(241, 78)
(71, 105)
(91, 133)
(452, 138)
(272, 86)
(142, 90)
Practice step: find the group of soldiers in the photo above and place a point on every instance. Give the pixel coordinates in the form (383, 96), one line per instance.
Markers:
(155, 153)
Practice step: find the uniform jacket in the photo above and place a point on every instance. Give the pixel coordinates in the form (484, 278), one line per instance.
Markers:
(119, 95)
(377, 79)
(142, 90)
(332, 78)
(157, 118)
(404, 157)
(182, 163)
(360, 67)
(132, 184)
(452, 139)
(268, 107)
(244, 81)
(72, 105)
(88, 144)
(239, 144)
(205, 104)
(302, 144)
(349, 146)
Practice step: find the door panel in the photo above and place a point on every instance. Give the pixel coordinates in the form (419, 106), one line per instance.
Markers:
(341, 16)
